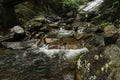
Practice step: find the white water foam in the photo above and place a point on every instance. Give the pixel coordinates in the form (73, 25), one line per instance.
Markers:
(67, 53)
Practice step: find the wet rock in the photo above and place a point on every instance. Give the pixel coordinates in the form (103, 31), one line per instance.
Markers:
(96, 40)
(69, 77)
(13, 45)
(99, 30)
(7, 37)
(99, 64)
(17, 30)
(13, 37)
(50, 40)
(110, 39)
(89, 65)
(67, 43)
(18, 33)
(110, 30)
(111, 34)
(84, 27)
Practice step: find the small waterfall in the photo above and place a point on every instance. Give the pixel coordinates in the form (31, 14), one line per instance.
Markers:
(91, 6)
(67, 53)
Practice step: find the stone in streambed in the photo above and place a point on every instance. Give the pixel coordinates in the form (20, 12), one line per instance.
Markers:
(17, 30)
(111, 34)
(110, 30)
(17, 34)
(14, 45)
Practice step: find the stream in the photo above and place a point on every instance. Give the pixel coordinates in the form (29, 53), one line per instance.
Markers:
(39, 63)
(52, 50)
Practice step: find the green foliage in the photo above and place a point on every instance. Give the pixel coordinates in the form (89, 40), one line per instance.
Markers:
(58, 4)
(117, 21)
(36, 7)
(73, 3)
(24, 11)
(104, 24)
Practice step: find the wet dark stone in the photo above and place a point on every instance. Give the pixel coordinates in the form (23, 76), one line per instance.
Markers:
(111, 39)
(97, 41)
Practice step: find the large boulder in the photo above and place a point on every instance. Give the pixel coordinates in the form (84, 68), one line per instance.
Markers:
(111, 34)
(99, 64)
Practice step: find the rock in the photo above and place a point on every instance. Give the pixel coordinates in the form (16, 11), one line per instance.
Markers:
(67, 43)
(69, 21)
(1, 36)
(82, 36)
(111, 34)
(110, 38)
(102, 63)
(40, 18)
(70, 14)
(6, 37)
(33, 26)
(88, 66)
(14, 45)
(19, 33)
(82, 15)
(53, 25)
(50, 40)
(91, 30)
(96, 40)
(69, 77)
(17, 30)
(110, 30)
(84, 26)
(112, 52)
(12, 37)
(77, 18)
(99, 30)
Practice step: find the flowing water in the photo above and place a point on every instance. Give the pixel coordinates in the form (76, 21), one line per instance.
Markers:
(42, 63)
(91, 6)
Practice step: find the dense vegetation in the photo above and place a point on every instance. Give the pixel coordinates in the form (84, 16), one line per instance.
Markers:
(25, 11)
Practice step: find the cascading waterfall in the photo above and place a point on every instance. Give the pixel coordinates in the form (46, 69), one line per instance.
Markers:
(91, 6)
